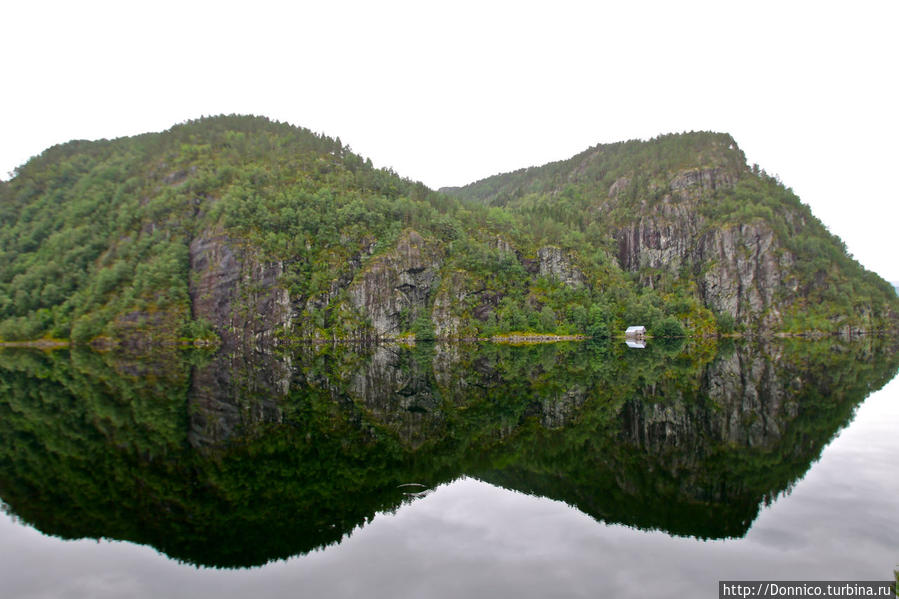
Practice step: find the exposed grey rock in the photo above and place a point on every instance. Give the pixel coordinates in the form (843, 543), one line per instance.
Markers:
(343, 279)
(501, 245)
(660, 243)
(453, 292)
(748, 270)
(618, 186)
(236, 292)
(743, 270)
(697, 181)
(557, 264)
(396, 286)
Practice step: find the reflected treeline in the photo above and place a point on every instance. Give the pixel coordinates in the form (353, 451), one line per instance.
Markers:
(234, 459)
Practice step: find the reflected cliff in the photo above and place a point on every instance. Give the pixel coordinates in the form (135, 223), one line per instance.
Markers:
(233, 460)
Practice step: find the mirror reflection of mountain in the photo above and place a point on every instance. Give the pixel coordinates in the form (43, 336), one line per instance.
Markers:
(236, 459)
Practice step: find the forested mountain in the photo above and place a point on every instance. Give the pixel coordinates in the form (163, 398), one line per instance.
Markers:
(259, 232)
(686, 211)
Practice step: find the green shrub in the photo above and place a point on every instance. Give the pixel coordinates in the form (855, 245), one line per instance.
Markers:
(423, 328)
(669, 327)
(726, 322)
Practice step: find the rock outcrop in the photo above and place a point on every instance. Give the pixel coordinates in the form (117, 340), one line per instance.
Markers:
(237, 293)
(740, 270)
(452, 292)
(559, 265)
(663, 239)
(269, 234)
(697, 181)
(665, 233)
(394, 288)
(747, 269)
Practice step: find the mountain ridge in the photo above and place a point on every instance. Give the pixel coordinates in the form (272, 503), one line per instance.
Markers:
(262, 233)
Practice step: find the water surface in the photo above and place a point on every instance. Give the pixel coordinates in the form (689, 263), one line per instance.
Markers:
(560, 470)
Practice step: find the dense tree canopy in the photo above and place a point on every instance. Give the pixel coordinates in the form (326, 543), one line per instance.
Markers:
(95, 236)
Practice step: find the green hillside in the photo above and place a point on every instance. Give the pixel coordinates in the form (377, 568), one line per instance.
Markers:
(255, 231)
(687, 188)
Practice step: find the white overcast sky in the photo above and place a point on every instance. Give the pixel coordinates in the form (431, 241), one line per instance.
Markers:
(450, 92)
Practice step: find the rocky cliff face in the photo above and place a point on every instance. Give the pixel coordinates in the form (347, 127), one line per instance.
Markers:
(244, 300)
(453, 292)
(747, 272)
(660, 240)
(291, 236)
(235, 292)
(394, 288)
(559, 265)
(665, 232)
(741, 270)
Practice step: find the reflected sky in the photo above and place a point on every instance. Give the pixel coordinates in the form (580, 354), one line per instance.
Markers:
(841, 521)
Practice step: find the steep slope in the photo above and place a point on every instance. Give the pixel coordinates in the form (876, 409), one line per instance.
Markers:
(259, 232)
(686, 211)
(213, 226)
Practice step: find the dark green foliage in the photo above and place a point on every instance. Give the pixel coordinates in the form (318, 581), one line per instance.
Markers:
(423, 328)
(93, 231)
(95, 237)
(832, 280)
(559, 189)
(547, 319)
(198, 329)
(726, 323)
(643, 311)
(668, 327)
(597, 323)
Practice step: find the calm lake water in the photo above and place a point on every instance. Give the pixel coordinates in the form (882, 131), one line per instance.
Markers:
(565, 470)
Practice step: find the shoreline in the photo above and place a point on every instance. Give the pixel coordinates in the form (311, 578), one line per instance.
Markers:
(38, 344)
(506, 339)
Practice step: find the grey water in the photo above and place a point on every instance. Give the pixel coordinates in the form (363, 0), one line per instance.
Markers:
(560, 470)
